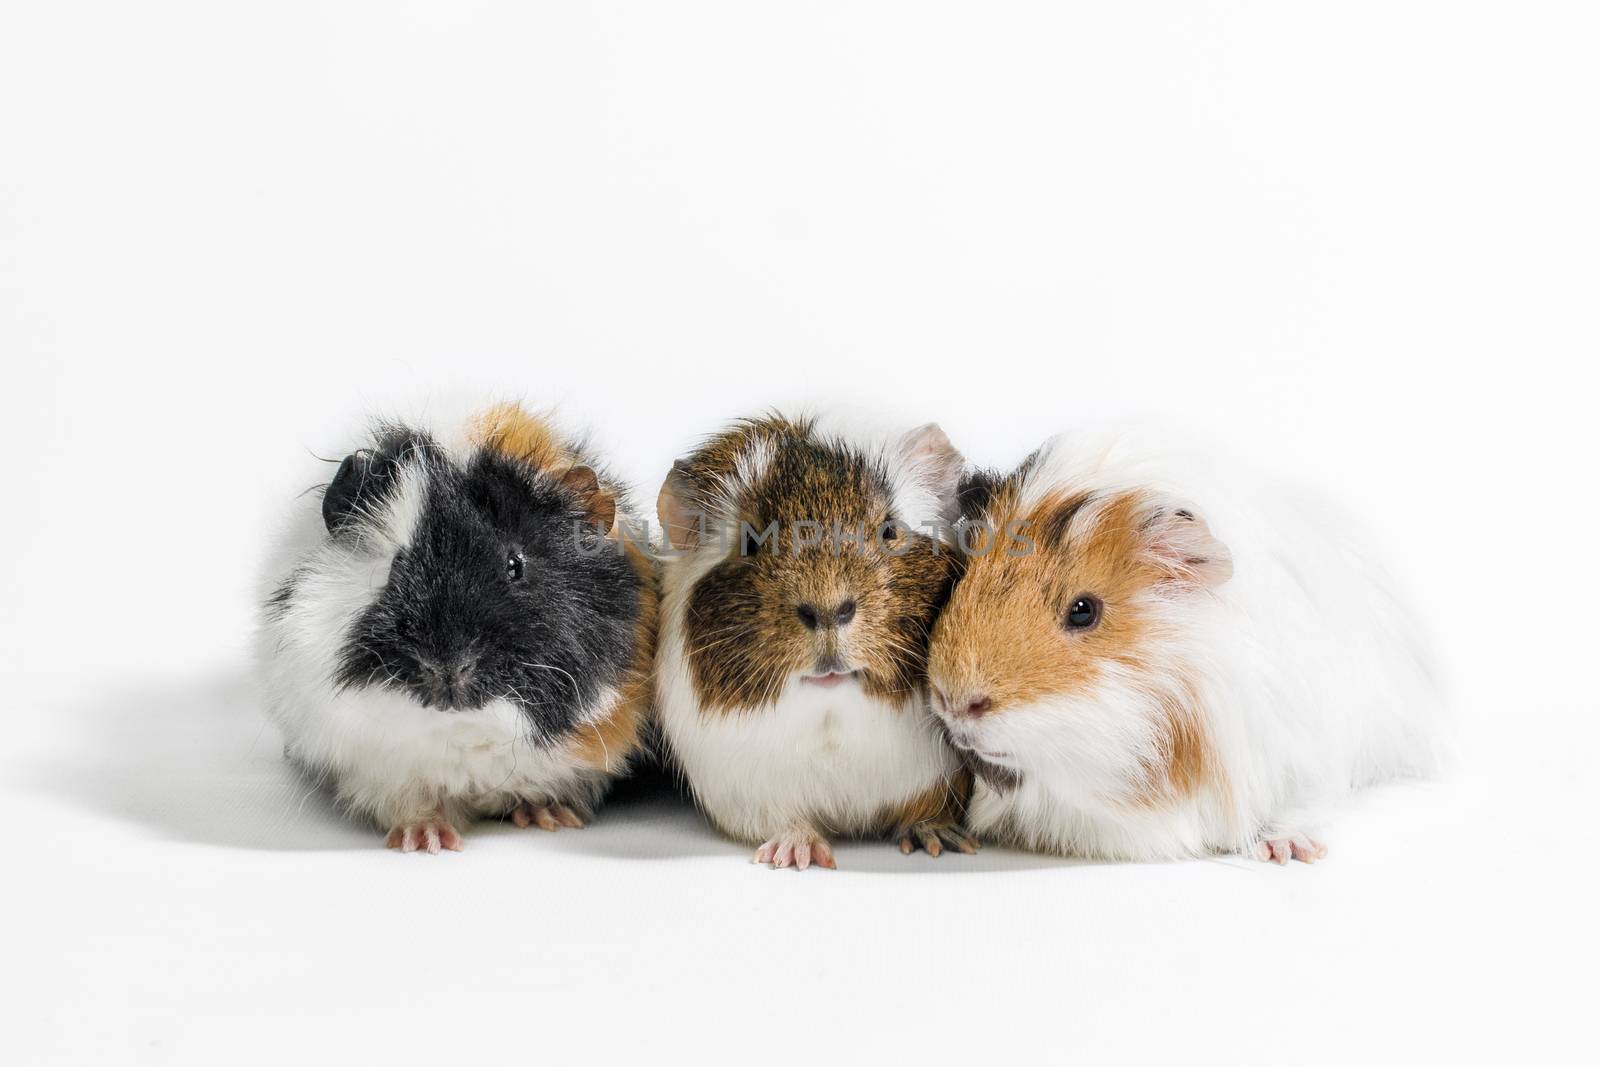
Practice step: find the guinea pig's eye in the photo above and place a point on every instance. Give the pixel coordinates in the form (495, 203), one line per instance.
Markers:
(748, 545)
(1084, 613)
(889, 531)
(514, 566)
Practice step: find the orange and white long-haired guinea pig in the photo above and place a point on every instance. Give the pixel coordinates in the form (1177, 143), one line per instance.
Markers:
(795, 616)
(1148, 662)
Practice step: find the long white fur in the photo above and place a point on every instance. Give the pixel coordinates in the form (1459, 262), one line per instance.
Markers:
(387, 757)
(827, 760)
(1310, 675)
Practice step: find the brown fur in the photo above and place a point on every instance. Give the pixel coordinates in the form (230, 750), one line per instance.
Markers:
(945, 805)
(744, 634)
(690, 487)
(1002, 633)
(719, 455)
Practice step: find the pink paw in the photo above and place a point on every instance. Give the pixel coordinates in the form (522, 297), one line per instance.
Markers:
(796, 848)
(546, 816)
(426, 835)
(934, 837)
(1281, 847)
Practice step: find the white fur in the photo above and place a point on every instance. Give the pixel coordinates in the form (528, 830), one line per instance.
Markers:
(1310, 678)
(387, 757)
(830, 760)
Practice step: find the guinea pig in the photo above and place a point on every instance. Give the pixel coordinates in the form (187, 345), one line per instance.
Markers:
(805, 575)
(450, 634)
(1143, 664)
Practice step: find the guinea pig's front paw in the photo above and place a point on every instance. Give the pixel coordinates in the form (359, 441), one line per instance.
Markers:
(1279, 848)
(797, 848)
(932, 836)
(424, 835)
(546, 816)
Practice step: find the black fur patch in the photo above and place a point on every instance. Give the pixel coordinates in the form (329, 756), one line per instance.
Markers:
(974, 492)
(367, 478)
(278, 602)
(1001, 779)
(457, 624)
(1054, 527)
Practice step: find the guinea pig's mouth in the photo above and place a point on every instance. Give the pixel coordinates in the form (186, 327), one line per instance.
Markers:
(828, 680)
(998, 769)
(449, 705)
(973, 747)
(989, 755)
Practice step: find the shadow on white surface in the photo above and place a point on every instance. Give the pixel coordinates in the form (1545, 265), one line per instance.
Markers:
(198, 762)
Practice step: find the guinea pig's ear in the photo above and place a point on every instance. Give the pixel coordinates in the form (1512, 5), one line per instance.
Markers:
(1183, 546)
(936, 466)
(674, 504)
(600, 504)
(343, 494)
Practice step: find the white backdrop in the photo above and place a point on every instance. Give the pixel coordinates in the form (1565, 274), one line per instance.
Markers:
(1357, 239)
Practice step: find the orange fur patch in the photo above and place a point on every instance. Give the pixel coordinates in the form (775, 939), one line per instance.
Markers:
(515, 433)
(607, 745)
(1187, 761)
(1002, 634)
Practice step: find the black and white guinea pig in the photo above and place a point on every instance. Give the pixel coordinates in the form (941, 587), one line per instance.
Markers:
(450, 633)
(790, 671)
(1155, 659)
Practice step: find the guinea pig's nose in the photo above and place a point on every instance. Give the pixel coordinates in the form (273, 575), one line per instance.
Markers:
(447, 685)
(450, 670)
(827, 618)
(966, 707)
